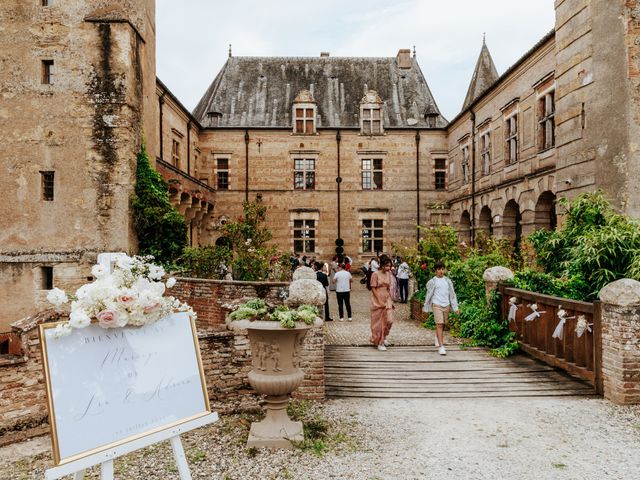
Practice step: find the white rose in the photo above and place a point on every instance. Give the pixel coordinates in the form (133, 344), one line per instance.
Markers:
(125, 262)
(98, 271)
(171, 282)
(62, 330)
(156, 272)
(57, 297)
(79, 319)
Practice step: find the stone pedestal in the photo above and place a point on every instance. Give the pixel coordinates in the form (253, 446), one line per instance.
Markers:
(276, 354)
(621, 341)
(492, 276)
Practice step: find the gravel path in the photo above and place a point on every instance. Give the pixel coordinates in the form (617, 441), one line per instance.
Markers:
(523, 439)
(471, 438)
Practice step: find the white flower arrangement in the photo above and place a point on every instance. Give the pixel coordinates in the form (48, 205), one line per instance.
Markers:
(133, 294)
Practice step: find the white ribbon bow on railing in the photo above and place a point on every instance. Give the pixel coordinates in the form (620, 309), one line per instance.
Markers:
(535, 313)
(513, 309)
(562, 315)
(582, 325)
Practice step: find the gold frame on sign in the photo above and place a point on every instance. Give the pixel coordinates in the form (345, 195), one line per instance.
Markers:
(51, 408)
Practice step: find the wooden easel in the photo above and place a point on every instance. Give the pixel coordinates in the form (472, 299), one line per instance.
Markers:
(105, 458)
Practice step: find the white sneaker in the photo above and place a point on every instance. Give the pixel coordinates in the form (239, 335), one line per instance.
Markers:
(349, 319)
(442, 351)
(382, 348)
(341, 319)
(386, 343)
(435, 342)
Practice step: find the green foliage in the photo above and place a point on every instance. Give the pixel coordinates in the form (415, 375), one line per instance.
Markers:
(257, 309)
(573, 287)
(210, 261)
(161, 230)
(436, 244)
(482, 324)
(466, 275)
(595, 244)
(246, 253)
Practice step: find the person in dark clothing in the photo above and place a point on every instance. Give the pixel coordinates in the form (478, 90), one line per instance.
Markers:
(324, 280)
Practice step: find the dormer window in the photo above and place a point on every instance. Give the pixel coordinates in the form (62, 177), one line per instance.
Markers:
(371, 114)
(304, 113)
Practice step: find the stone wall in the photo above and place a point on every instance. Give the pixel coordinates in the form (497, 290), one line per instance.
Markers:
(212, 299)
(23, 404)
(226, 358)
(621, 341)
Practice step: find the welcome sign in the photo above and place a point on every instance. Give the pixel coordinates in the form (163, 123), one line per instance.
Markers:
(110, 386)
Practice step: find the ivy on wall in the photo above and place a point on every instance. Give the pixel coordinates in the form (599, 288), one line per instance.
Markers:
(161, 230)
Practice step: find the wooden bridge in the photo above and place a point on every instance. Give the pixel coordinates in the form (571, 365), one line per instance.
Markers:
(419, 372)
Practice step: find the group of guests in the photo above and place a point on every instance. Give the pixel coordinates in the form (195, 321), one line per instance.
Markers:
(386, 281)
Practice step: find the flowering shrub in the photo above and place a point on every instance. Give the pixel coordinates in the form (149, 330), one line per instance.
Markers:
(245, 254)
(257, 309)
(130, 295)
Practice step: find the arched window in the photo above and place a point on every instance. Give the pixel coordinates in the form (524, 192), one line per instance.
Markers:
(304, 113)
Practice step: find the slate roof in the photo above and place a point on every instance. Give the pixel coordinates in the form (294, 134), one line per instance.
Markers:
(259, 91)
(484, 76)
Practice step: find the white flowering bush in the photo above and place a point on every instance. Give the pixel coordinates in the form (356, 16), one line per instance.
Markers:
(133, 294)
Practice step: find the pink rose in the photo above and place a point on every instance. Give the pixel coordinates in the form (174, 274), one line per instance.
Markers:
(108, 318)
(126, 299)
(151, 308)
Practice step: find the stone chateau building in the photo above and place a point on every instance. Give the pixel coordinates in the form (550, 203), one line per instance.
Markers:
(337, 148)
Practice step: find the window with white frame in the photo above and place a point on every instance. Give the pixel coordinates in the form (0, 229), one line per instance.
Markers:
(511, 139)
(47, 71)
(546, 121)
(304, 236)
(372, 174)
(372, 235)
(304, 173)
(485, 151)
(465, 164)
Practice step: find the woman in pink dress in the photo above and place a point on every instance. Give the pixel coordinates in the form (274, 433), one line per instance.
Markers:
(381, 304)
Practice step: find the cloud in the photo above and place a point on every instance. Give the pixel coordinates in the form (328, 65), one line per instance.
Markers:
(193, 36)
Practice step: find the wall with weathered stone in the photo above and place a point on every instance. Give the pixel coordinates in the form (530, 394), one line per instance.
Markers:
(86, 127)
(271, 173)
(523, 181)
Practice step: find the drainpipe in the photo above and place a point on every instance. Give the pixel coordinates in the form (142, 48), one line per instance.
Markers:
(338, 178)
(246, 165)
(189, 147)
(161, 102)
(473, 178)
(418, 185)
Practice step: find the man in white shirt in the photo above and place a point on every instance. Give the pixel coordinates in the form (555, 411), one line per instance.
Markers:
(342, 281)
(403, 280)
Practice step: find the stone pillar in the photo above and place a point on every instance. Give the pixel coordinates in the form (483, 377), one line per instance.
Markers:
(621, 341)
(492, 276)
(528, 222)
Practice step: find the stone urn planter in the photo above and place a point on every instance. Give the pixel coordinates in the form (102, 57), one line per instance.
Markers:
(276, 357)
(276, 353)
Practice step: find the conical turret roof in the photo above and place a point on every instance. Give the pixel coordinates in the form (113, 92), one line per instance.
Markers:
(484, 75)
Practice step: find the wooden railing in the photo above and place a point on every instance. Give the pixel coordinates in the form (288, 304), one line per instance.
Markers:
(578, 356)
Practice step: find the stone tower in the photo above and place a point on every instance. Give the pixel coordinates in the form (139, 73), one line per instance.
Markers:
(77, 90)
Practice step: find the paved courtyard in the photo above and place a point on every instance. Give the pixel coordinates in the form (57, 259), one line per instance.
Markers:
(405, 331)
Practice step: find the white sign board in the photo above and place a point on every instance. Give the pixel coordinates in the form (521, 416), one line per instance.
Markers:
(110, 386)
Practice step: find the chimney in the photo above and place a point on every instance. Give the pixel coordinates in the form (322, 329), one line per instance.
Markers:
(324, 54)
(404, 58)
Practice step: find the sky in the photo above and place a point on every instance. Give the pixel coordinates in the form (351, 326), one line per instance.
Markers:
(193, 36)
